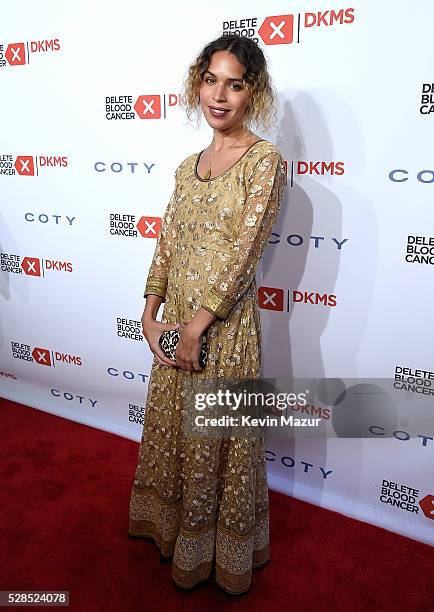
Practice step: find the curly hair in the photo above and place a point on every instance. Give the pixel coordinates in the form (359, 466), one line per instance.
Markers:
(256, 78)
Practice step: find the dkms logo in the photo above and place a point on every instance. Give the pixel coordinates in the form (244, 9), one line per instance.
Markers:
(43, 356)
(143, 106)
(29, 165)
(286, 29)
(31, 266)
(19, 53)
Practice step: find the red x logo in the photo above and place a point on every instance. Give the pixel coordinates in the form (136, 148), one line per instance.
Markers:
(41, 356)
(31, 266)
(427, 505)
(149, 227)
(24, 165)
(15, 54)
(270, 298)
(148, 107)
(277, 30)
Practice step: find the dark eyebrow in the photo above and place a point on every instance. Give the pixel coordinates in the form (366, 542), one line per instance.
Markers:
(229, 79)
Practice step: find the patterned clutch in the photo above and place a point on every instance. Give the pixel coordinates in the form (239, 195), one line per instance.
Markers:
(168, 342)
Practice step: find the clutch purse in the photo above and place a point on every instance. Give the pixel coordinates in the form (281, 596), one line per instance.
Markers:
(168, 342)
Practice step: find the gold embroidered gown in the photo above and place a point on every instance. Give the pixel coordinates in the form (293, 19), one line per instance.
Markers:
(204, 501)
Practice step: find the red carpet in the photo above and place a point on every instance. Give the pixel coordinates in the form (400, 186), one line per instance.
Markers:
(64, 522)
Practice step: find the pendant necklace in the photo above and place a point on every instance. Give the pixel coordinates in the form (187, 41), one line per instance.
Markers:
(208, 174)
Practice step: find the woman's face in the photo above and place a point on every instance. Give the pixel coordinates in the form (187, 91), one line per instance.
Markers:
(223, 88)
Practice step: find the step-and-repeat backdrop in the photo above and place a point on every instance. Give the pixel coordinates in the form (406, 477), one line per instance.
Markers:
(93, 128)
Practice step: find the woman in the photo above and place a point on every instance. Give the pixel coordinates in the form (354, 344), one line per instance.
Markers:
(205, 501)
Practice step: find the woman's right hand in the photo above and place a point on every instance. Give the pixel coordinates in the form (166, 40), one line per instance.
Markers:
(152, 331)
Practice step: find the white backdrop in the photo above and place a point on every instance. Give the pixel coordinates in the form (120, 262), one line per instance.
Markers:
(352, 112)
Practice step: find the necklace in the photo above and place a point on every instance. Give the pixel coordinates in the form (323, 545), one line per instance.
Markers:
(208, 174)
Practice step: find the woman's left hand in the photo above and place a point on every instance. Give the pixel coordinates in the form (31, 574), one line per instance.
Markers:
(188, 349)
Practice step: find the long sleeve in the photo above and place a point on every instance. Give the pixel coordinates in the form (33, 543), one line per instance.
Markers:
(265, 190)
(156, 282)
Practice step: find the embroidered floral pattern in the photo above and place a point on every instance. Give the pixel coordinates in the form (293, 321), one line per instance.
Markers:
(205, 501)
